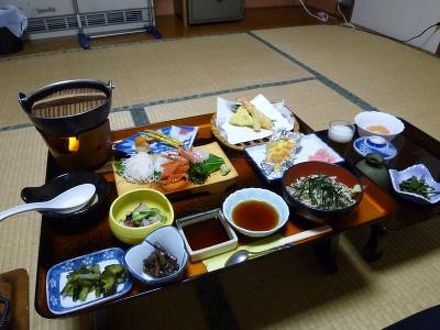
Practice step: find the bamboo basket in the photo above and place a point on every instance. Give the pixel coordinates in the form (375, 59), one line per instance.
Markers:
(243, 145)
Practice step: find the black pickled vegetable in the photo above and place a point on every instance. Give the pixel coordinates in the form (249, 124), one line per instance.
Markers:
(418, 186)
(160, 263)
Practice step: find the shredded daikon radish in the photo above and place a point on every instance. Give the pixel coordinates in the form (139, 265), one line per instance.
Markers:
(142, 167)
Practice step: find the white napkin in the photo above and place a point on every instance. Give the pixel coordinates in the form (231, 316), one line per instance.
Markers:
(236, 134)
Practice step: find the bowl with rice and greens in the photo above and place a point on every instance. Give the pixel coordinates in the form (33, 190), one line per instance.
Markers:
(139, 212)
(321, 189)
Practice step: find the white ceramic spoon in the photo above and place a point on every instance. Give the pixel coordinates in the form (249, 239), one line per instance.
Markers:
(68, 201)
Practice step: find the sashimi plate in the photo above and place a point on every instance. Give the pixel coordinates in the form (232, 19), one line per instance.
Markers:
(215, 182)
(57, 278)
(311, 147)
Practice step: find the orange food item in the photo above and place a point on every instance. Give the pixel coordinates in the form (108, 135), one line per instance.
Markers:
(174, 182)
(379, 129)
(175, 166)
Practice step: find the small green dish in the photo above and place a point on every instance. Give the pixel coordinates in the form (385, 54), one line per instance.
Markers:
(127, 203)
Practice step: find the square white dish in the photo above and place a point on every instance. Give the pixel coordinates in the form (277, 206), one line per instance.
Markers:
(57, 278)
(419, 171)
(310, 144)
(212, 250)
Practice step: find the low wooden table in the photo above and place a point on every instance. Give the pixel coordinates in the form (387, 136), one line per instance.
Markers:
(414, 147)
(55, 247)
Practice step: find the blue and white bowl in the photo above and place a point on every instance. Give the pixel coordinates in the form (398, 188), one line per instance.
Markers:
(419, 171)
(276, 201)
(375, 144)
(171, 241)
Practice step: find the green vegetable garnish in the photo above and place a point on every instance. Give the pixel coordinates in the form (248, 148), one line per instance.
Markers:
(418, 186)
(321, 192)
(119, 167)
(213, 163)
(199, 172)
(138, 216)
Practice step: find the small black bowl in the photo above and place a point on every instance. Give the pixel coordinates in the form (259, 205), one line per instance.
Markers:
(314, 167)
(80, 219)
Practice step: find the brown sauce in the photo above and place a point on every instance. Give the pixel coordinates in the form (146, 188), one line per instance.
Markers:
(205, 233)
(255, 215)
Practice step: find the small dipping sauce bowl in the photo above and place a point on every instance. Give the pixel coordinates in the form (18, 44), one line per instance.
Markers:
(340, 131)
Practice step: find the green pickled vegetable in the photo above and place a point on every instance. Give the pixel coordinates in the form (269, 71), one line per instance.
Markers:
(418, 186)
(85, 280)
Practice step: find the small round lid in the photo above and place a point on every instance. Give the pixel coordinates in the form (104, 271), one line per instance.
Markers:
(375, 144)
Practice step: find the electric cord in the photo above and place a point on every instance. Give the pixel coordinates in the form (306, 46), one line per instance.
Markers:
(422, 33)
(346, 22)
(322, 16)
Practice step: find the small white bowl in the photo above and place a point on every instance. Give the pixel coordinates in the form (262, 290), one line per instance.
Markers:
(170, 240)
(258, 194)
(366, 119)
(419, 171)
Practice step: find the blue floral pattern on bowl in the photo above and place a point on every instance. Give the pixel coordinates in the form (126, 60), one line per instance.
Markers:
(186, 134)
(56, 279)
(375, 144)
(419, 171)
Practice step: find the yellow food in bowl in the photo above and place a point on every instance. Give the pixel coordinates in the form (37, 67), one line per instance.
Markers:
(127, 203)
(378, 129)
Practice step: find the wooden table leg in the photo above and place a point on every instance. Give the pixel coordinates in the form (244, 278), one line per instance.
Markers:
(100, 319)
(326, 251)
(218, 313)
(376, 242)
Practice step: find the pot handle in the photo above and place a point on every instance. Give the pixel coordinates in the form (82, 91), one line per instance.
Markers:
(22, 99)
(110, 85)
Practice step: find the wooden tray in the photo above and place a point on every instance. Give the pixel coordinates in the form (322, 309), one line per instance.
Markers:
(215, 182)
(243, 145)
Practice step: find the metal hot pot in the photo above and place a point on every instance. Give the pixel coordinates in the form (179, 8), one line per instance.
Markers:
(72, 117)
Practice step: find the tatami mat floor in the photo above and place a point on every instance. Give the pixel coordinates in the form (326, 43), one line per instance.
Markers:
(322, 73)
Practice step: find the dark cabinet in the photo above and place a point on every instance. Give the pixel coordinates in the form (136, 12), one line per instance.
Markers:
(206, 11)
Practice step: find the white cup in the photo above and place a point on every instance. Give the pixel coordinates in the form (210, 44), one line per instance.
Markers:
(340, 131)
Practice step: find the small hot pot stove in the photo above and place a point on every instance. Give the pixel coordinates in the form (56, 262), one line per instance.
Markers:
(72, 118)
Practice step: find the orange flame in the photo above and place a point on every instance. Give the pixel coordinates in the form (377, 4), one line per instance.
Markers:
(73, 144)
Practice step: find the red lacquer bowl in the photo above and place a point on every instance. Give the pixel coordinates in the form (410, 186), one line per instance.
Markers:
(314, 167)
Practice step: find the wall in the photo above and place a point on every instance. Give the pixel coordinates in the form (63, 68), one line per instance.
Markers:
(400, 19)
